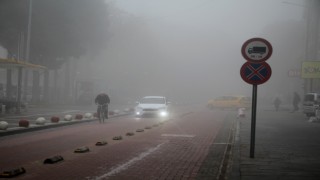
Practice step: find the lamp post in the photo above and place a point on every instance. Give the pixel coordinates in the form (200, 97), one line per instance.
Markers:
(29, 30)
(27, 50)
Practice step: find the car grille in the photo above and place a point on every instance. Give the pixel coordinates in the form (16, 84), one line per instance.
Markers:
(149, 109)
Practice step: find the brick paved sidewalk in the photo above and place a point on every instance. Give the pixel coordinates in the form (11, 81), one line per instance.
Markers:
(287, 147)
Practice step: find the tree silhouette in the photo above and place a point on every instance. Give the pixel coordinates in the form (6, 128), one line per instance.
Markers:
(60, 28)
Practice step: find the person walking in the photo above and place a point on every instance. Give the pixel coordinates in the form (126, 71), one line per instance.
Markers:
(103, 100)
(296, 101)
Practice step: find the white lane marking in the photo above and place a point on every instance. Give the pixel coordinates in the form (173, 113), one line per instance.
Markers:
(129, 163)
(178, 135)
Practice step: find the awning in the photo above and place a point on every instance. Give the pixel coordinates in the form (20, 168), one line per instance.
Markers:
(12, 63)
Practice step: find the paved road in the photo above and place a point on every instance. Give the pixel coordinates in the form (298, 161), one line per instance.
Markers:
(194, 144)
(190, 145)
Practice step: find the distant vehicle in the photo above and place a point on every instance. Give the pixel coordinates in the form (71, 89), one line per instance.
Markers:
(230, 102)
(311, 102)
(257, 50)
(152, 105)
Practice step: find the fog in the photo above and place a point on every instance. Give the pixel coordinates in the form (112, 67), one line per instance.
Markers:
(190, 50)
(186, 50)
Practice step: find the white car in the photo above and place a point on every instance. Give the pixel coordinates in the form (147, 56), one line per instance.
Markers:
(152, 105)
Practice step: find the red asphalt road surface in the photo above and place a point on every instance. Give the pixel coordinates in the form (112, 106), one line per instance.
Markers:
(174, 149)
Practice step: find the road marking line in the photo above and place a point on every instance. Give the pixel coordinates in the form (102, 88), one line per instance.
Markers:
(178, 135)
(129, 163)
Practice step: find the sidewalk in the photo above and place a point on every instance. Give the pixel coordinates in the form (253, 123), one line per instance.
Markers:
(48, 111)
(287, 147)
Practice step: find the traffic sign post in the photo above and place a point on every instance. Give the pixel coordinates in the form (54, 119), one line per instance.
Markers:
(255, 74)
(253, 119)
(256, 71)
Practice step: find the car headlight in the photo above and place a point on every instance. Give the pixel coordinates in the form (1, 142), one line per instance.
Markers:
(138, 110)
(163, 113)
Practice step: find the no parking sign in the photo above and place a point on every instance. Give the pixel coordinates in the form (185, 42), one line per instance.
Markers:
(256, 51)
(255, 71)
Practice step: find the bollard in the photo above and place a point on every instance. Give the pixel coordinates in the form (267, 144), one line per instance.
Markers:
(68, 117)
(88, 115)
(40, 121)
(3, 109)
(55, 119)
(79, 116)
(24, 123)
(241, 113)
(3, 125)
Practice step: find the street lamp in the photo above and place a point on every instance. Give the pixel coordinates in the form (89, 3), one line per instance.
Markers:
(28, 49)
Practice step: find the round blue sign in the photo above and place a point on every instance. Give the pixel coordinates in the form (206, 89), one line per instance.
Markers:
(255, 73)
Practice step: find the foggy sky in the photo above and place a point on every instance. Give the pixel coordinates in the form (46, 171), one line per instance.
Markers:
(190, 49)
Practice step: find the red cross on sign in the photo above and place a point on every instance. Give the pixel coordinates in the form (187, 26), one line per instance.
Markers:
(255, 73)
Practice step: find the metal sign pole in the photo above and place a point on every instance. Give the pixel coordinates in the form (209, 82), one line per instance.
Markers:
(255, 71)
(253, 119)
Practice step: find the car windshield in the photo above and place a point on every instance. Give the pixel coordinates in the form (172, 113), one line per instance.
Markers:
(152, 101)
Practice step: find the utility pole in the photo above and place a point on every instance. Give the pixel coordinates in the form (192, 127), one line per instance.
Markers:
(27, 50)
(29, 30)
(311, 16)
(20, 52)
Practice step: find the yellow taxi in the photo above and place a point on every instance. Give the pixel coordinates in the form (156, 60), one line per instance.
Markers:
(231, 102)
